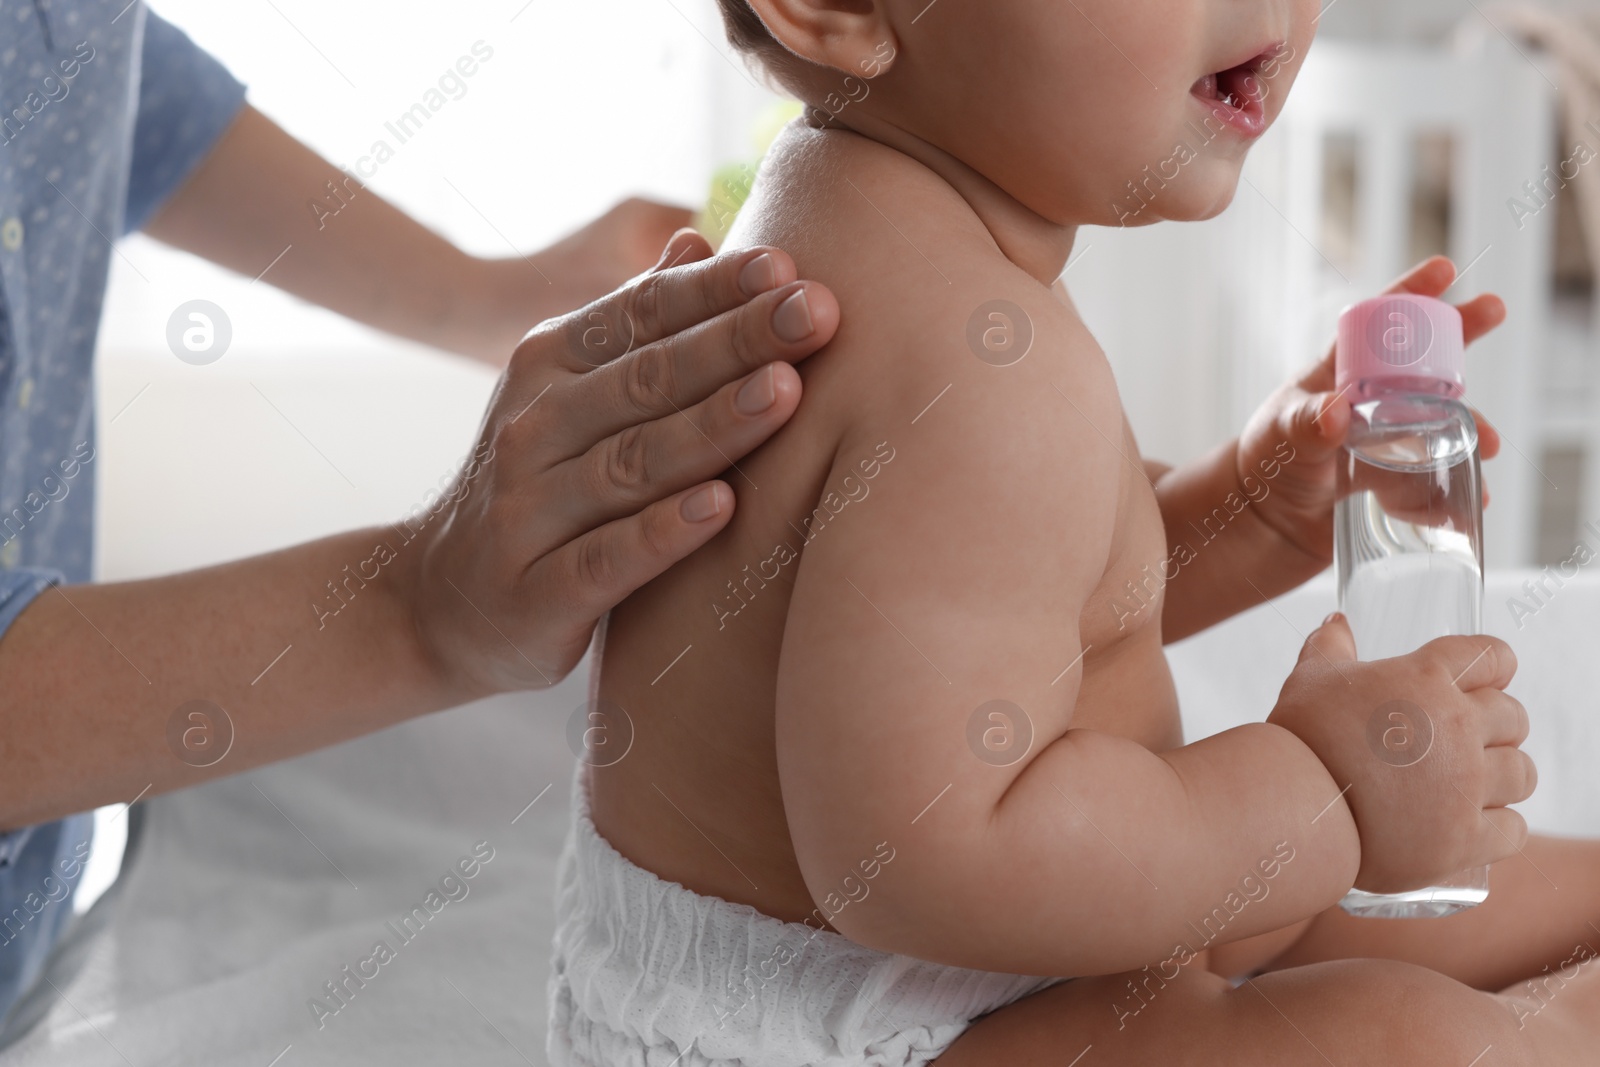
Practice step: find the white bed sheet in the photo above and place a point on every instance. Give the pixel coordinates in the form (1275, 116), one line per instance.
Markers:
(249, 893)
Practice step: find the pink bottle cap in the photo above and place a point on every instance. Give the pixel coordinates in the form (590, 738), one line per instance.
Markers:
(1401, 340)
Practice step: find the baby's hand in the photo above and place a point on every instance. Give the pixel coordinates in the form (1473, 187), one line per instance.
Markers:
(1425, 745)
(1312, 420)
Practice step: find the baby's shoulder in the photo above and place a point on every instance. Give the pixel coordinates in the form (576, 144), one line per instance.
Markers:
(929, 303)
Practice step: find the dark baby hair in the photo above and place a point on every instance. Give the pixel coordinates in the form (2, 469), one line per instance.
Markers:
(749, 36)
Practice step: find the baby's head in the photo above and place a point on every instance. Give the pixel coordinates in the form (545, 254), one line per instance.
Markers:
(1086, 111)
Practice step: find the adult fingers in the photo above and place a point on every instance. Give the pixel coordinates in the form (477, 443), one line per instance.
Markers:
(661, 302)
(1509, 776)
(588, 576)
(645, 461)
(677, 372)
(686, 245)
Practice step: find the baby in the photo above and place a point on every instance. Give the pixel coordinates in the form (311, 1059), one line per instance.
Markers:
(892, 769)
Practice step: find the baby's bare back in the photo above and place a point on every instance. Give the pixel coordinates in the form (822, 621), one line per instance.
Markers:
(694, 657)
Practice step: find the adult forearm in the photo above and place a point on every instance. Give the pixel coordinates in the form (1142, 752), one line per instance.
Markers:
(264, 204)
(100, 681)
(1222, 558)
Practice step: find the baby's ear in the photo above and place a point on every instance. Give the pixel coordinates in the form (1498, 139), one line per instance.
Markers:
(854, 36)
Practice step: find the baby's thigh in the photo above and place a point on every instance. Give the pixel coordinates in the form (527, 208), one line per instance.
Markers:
(1543, 911)
(1346, 1012)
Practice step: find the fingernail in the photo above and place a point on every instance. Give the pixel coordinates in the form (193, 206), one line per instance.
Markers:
(758, 394)
(1331, 616)
(792, 319)
(702, 505)
(758, 275)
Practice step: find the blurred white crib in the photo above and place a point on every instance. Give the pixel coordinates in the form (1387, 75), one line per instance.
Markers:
(1495, 110)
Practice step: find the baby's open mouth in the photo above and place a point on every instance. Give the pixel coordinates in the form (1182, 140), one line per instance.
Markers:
(1237, 95)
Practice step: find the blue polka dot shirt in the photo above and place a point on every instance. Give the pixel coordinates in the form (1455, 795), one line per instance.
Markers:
(105, 109)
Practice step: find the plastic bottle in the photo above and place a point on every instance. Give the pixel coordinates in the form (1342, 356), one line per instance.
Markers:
(1408, 527)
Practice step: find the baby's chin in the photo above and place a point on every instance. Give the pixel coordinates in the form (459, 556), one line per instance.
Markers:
(1216, 206)
(1218, 185)
(1201, 195)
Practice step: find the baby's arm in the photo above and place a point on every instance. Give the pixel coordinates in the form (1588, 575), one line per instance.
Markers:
(1224, 556)
(961, 579)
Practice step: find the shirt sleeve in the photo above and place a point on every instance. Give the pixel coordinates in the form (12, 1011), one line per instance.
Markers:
(18, 588)
(187, 99)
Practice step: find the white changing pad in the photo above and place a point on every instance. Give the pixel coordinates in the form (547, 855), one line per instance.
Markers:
(250, 893)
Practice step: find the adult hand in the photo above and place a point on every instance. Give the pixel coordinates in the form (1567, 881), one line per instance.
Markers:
(595, 463)
(495, 300)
